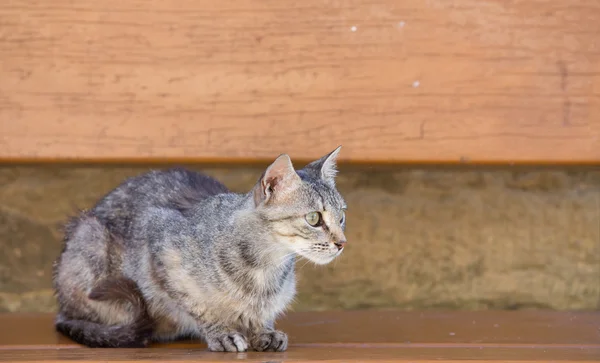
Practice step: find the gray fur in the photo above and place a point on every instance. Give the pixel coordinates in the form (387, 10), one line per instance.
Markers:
(174, 254)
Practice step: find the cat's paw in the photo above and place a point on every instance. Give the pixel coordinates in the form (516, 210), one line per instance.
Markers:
(230, 342)
(275, 341)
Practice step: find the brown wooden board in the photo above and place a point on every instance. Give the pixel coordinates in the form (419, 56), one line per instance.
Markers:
(350, 336)
(481, 81)
(310, 354)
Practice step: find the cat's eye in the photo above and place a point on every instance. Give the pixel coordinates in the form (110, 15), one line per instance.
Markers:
(343, 219)
(315, 219)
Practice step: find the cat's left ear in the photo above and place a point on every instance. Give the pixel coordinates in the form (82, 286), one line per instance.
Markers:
(327, 166)
(279, 179)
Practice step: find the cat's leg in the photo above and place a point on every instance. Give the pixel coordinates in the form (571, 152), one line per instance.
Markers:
(182, 324)
(95, 308)
(266, 338)
(172, 324)
(223, 339)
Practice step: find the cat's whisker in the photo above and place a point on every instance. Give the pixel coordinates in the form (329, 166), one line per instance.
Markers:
(301, 267)
(283, 259)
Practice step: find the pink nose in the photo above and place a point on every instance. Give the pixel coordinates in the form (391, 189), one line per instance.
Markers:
(340, 244)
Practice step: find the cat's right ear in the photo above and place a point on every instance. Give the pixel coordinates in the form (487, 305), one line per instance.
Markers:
(278, 179)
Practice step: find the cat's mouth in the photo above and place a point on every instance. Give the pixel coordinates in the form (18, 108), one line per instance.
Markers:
(321, 257)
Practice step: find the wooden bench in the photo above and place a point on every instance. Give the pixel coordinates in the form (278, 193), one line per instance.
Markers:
(365, 336)
(394, 81)
(232, 81)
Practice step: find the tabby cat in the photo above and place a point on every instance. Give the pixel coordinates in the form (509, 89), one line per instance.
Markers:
(174, 254)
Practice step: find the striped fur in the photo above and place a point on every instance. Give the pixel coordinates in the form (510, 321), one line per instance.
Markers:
(174, 254)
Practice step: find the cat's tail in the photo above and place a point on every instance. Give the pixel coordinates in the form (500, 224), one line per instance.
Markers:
(135, 334)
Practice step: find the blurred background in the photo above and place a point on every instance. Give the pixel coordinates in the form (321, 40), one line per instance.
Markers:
(470, 133)
(419, 238)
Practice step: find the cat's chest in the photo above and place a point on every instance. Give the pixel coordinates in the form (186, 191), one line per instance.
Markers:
(224, 291)
(267, 297)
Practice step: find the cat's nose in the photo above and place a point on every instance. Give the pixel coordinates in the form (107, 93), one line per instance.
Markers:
(340, 244)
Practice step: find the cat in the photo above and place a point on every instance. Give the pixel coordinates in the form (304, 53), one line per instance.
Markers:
(173, 254)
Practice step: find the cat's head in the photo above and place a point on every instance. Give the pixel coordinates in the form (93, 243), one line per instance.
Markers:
(303, 209)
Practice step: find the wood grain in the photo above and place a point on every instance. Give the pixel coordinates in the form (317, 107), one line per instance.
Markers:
(461, 328)
(481, 81)
(368, 336)
(311, 354)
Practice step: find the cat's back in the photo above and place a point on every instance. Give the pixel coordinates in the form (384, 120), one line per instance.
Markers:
(174, 188)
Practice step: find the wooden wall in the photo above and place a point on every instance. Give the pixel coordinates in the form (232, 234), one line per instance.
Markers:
(511, 81)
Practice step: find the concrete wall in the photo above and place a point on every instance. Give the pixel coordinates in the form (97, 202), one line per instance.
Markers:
(418, 238)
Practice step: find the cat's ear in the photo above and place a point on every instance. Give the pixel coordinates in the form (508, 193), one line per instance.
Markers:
(326, 166)
(278, 179)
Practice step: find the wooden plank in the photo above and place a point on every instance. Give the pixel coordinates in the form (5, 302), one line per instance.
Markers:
(488, 81)
(467, 329)
(367, 336)
(309, 354)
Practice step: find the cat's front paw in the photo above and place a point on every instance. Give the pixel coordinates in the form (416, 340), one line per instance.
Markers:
(230, 342)
(275, 341)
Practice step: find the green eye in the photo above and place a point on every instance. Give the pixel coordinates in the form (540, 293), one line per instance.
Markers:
(314, 219)
(343, 219)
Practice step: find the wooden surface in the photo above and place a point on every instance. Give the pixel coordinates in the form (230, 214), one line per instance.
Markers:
(490, 81)
(350, 336)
